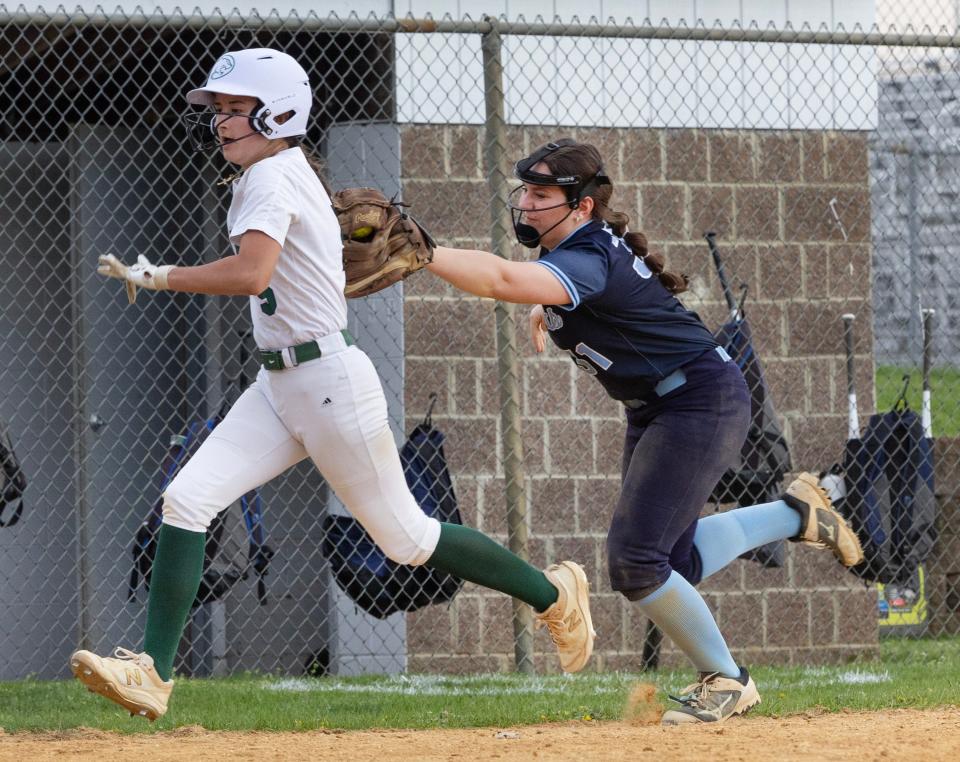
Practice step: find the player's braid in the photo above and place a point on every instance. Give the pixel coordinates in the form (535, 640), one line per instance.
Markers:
(585, 160)
(675, 283)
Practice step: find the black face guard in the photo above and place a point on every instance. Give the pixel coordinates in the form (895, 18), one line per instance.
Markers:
(527, 235)
(202, 128)
(573, 186)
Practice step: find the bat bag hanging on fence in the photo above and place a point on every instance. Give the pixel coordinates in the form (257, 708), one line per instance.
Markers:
(889, 498)
(378, 585)
(764, 458)
(219, 574)
(12, 481)
(757, 475)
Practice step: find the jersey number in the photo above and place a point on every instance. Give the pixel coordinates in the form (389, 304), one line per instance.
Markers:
(583, 352)
(268, 302)
(641, 269)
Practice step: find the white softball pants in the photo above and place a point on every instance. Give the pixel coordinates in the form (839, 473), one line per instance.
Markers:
(331, 410)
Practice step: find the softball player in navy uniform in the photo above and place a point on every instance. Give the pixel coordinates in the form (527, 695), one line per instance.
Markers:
(317, 395)
(602, 297)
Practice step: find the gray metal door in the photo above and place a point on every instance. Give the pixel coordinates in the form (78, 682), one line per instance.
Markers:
(38, 598)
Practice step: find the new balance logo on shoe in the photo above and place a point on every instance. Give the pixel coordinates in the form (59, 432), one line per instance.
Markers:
(573, 620)
(126, 678)
(568, 619)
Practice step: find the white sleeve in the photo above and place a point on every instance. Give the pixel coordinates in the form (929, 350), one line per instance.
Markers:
(269, 205)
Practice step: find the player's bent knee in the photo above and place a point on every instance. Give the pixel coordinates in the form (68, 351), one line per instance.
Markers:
(637, 583)
(406, 553)
(634, 578)
(645, 591)
(413, 545)
(690, 568)
(184, 511)
(396, 523)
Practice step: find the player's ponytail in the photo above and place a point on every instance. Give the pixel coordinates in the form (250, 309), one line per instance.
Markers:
(675, 283)
(584, 159)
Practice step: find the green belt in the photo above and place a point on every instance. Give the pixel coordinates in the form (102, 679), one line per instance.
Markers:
(310, 350)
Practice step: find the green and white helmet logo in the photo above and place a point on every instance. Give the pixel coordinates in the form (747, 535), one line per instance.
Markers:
(222, 67)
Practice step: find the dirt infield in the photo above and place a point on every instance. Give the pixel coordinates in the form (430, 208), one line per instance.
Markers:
(887, 736)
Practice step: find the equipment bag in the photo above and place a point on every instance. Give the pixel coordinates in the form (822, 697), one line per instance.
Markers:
(889, 502)
(377, 584)
(13, 481)
(217, 577)
(764, 458)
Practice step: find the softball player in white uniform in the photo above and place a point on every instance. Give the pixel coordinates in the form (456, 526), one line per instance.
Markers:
(317, 396)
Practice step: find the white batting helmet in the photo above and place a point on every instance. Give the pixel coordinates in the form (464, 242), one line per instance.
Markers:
(271, 76)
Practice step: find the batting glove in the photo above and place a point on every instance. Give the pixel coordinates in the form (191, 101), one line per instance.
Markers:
(143, 274)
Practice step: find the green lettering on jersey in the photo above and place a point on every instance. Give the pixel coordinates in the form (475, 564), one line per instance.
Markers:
(268, 302)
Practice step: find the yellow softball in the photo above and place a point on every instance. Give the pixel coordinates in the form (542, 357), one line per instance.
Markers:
(363, 232)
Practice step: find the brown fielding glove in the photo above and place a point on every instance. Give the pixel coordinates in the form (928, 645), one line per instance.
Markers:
(382, 244)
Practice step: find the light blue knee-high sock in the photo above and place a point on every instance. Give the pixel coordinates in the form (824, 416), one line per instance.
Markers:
(678, 610)
(721, 538)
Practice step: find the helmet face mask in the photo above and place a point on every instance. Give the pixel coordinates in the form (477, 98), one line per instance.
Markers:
(527, 234)
(574, 187)
(202, 127)
(274, 78)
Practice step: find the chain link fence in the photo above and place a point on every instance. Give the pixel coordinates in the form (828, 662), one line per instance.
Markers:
(825, 163)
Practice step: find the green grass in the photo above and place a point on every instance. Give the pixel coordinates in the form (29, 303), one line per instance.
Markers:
(907, 674)
(944, 393)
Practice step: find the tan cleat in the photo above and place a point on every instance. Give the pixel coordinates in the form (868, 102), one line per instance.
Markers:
(713, 698)
(820, 525)
(126, 678)
(568, 619)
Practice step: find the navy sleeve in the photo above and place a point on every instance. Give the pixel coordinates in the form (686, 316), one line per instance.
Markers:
(583, 273)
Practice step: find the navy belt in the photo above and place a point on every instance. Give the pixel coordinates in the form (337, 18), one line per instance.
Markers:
(666, 385)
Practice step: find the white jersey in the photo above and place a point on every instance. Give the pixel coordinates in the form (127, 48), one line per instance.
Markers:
(330, 409)
(282, 197)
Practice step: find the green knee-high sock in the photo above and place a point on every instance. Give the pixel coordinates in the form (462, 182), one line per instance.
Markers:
(174, 583)
(471, 555)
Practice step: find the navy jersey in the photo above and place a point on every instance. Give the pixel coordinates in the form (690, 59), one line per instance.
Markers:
(621, 324)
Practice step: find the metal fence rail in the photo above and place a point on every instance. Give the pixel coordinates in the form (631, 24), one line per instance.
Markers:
(824, 161)
(312, 22)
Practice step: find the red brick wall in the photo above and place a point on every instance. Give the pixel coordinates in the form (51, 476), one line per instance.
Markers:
(768, 196)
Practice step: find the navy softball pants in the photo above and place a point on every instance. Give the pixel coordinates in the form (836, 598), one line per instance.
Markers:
(677, 448)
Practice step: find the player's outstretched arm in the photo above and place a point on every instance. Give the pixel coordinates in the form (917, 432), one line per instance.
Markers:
(247, 273)
(485, 274)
